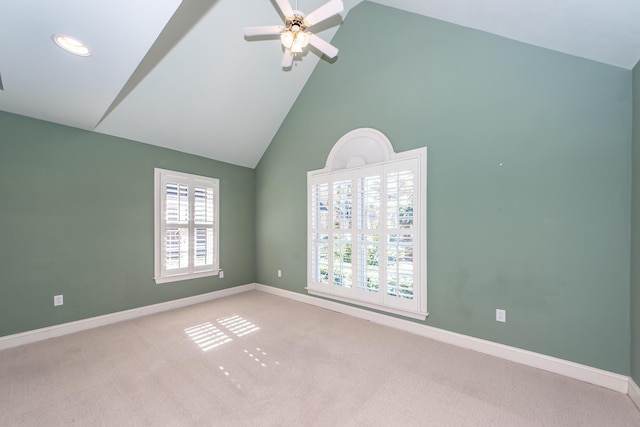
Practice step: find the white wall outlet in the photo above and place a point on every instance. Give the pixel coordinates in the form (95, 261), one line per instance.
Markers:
(221, 274)
(279, 273)
(58, 300)
(501, 315)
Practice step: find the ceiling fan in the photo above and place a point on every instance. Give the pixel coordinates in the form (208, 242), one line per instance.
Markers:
(294, 35)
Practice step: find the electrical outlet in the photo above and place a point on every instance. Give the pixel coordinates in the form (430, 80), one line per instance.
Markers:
(279, 273)
(501, 315)
(58, 300)
(221, 274)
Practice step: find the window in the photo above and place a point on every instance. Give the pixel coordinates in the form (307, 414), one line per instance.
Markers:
(186, 226)
(367, 232)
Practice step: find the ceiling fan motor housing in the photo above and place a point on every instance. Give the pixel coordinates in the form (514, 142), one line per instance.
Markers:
(296, 22)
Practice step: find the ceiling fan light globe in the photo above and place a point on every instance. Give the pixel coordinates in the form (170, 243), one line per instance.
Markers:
(287, 39)
(302, 38)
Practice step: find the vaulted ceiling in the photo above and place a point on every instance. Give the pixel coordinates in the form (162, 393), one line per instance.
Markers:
(180, 74)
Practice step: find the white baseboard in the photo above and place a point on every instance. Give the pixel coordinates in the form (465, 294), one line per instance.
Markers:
(107, 319)
(634, 392)
(569, 369)
(610, 380)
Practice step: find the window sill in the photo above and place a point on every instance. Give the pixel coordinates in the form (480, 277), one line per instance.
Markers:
(383, 308)
(180, 277)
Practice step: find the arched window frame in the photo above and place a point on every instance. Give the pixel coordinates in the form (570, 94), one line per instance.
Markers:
(367, 225)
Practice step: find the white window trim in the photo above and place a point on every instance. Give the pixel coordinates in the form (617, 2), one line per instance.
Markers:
(369, 148)
(193, 273)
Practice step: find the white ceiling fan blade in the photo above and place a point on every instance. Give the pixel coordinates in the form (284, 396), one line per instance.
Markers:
(287, 59)
(323, 46)
(262, 31)
(285, 7)
(325, 11)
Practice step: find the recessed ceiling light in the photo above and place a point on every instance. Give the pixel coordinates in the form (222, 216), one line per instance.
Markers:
(71, 45)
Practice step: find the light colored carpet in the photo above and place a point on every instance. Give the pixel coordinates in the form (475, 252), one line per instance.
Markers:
(270, 361)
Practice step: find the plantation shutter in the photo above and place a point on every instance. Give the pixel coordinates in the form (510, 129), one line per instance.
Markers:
(187, 229)
(400, 234)
(319, 238)
(203, 249)
(364, 228)
(176, 225)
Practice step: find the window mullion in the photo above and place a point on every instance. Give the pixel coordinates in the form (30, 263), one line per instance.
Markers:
(353, 231)
(162, 218)
(330, 234)
(382, 263)
(359, 248)
(192, 231)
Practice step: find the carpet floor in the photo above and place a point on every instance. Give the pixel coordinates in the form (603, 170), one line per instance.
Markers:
(256, 359)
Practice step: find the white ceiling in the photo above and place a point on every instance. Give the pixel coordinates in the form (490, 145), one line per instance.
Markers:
(180, 74)
(606, 31)
(43, 81)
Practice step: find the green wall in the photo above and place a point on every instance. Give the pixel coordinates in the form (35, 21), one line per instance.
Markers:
(544, 236)
(635, 231)
(76, 213)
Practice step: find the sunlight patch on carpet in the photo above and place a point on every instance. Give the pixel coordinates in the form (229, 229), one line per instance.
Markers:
(238, 325)
(207, 336)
